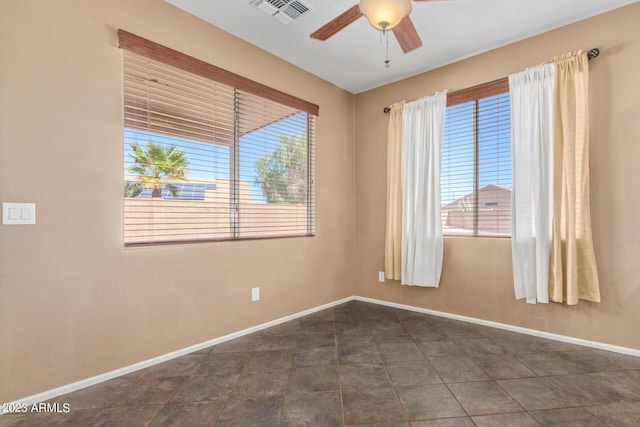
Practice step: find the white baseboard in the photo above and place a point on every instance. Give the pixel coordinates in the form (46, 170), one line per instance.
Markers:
(50, 394)
(519, 329)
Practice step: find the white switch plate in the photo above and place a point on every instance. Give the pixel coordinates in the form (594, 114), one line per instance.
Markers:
(18, 213)
(381, 276)
(255, 294)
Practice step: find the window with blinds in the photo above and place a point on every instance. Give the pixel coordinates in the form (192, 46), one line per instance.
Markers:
(476, 162)
(207, 161)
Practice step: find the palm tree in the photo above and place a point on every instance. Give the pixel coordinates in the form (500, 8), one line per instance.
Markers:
(132, 189)
(157, 165)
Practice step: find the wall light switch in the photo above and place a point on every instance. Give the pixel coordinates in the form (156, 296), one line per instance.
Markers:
(18, 213)
(255, 294)
(25, 214)
(381, 276)
(13, 214)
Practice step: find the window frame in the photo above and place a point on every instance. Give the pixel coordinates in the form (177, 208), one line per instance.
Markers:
(154, 51)
(476, 93)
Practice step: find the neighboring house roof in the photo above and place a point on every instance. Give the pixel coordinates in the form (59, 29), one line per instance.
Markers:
(496, 189)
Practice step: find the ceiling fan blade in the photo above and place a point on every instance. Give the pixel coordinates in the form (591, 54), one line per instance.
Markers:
(337, 24)
(407, 35)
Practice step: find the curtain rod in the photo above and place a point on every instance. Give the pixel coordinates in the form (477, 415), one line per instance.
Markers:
(592, 53)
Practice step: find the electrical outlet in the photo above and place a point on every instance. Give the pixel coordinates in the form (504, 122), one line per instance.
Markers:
(255, 294)
(381, 276)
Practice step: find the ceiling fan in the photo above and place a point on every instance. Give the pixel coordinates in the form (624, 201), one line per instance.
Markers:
(383, 15)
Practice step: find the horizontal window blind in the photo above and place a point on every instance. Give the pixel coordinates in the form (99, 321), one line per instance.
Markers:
(179, 60)
(275, 159)
(169, 101)
(205, 161)
(476, 166)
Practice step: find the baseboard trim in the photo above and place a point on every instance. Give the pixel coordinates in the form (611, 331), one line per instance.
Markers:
(50, 394)
(507, 327)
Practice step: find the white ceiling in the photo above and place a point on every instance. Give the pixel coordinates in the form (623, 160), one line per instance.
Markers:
(353, 59)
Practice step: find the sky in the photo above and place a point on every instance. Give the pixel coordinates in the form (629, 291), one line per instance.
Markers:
(494, 147)
(208, 160)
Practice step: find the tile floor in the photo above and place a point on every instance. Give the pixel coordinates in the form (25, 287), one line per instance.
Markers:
(364, 364)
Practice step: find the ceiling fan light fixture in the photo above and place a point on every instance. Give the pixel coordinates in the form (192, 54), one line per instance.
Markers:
(385, 14)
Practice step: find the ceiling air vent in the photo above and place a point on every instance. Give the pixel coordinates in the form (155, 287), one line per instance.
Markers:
(284, 11)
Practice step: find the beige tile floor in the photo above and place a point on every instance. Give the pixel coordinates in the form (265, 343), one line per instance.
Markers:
(364, 364)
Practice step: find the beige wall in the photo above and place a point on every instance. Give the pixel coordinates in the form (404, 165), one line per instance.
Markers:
(73, 302)
(476, 278)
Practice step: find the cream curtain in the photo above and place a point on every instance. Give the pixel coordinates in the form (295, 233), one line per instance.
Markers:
(573, 273)
(531, 94)
(393, 237)
(422, 130)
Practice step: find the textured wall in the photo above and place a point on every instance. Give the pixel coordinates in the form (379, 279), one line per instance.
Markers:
(73, 302)
(477, 276)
